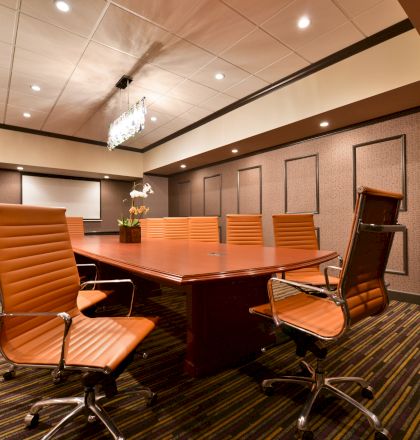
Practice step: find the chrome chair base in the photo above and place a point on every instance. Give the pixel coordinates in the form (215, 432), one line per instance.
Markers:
(88, 404)
(316, 380)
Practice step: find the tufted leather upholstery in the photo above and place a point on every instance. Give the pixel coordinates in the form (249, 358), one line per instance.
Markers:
(154, 227)
(298, 231)
(203, 229)
(38, 274)
(244, 229)
(175, 228)
(75, 225)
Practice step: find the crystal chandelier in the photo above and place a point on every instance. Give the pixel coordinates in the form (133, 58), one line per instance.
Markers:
(130, 122)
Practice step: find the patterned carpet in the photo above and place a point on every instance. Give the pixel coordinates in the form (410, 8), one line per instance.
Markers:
(230, 405)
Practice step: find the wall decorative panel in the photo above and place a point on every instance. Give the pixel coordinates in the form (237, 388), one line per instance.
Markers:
(381, 164)
(398, 258)
(212, 195)
(184, 199)
(250, 190)
(301, 184)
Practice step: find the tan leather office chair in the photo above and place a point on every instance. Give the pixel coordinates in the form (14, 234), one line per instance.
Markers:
(244, 229)
(75, 226)
(154, 228)
(175, 228)
(361, 293)
(203, 229)
(40, 324)
(298, 231)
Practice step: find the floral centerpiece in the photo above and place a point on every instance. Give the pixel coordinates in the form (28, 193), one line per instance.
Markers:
(130, 231)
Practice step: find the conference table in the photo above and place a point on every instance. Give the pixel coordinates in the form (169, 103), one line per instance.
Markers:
(221, 282)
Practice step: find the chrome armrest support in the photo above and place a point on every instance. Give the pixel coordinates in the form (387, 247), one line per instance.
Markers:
(306, 287)
(67, 319)
(121, 281)
(89, 265)
(327, 279)
(371, 227)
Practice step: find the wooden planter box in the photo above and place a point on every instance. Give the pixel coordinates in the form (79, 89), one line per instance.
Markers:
(130, 235)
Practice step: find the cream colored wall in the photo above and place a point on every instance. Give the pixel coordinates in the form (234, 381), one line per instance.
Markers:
(32, 150)
(387, 66)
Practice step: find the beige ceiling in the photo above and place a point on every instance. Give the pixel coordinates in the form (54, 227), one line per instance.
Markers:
(172, 48)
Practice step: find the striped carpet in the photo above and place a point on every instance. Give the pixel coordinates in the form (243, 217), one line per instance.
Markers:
(229, 405)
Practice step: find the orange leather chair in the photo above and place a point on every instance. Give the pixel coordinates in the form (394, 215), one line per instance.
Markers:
(75, 226)
(175, 228)
(298, 231)
(154, 228)
(203, 229)
(244, 229)
(360, 293)
(40, 324)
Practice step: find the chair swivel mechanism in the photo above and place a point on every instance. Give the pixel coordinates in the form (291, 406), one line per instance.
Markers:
(311, 321)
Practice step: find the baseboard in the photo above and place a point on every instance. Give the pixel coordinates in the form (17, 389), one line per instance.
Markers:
(409, 297)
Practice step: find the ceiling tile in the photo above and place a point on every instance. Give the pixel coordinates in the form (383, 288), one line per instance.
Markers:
(215, 27)
(379, 17)
(50, 89)
(10, 3)
(195, 114)
(7, 19)
(2, 108)
(258, 11)
(264, 48)
(14, 116)
(233, 74)
(355, 7)
(324, 16)
(181, 57)
(217, 102)
(4, 78)
(170, 14)
(30, 102)
(49, 41)
(156, 79)
(135, 93)
(5, 55)
(3, 96)
(81, 19)
(331, 42)
(191, 92)
(124, 31)
(41, 68)
(282, 68)
(246, 87)
(170, 106)
(162, 119)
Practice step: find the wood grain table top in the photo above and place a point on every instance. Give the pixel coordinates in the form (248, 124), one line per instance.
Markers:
(186, 262)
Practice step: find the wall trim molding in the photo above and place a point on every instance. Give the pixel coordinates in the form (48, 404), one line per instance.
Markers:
(400, 295)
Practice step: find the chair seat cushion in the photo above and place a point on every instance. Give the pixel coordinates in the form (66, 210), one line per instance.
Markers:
(307, 312)
(88, 298)
(94, 342)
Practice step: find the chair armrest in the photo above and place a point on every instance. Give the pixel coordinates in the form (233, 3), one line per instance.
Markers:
(327, 279)
(89, 265)
(306, 287)
(122, 281)
(67, 320)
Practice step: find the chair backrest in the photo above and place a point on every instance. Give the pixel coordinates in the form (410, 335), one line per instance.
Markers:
(295, 231)
(362, 276)
(244, 229)
(203, 229)
(175, 228)
(37, 269)
(75, 225)
(154, 228)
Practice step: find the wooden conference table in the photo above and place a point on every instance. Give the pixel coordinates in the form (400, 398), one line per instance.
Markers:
(221, 282)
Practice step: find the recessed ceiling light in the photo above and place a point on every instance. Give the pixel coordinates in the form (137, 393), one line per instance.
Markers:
(303, 22)
(106, 177)
(19, 168)
(234, 150)
(219, 76)
(26, 115)
(62, 5)
(183, 165)
(153, 118)
(324, 124)
(35, 88)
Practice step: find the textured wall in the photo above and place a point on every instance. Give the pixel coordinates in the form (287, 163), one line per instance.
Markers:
(157, 202)
(378, 162)
(10, 186)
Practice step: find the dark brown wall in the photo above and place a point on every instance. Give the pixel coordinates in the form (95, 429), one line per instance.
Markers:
(10, 186)
(378, 163)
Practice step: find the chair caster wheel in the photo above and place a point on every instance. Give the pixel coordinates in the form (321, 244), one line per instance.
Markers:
(306, 435)
(267, 390)
(9, 375)
(91, 418)
(382, 435)
(152, 400)
(31, 420)
(57, 377)
(367, 393)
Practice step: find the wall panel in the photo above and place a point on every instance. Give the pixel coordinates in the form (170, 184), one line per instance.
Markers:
(184, 199)
(250, 190)
(212, 195)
